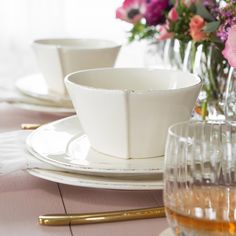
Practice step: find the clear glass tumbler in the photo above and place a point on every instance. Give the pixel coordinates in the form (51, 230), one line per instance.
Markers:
(200, 179)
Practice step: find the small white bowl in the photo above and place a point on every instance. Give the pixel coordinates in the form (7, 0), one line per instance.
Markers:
(58, 57)
(126, 112)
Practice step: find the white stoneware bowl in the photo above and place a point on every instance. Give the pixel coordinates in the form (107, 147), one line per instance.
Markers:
(58, 57)
(126, 112)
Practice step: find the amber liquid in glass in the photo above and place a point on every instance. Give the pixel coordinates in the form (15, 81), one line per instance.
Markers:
(203, 211)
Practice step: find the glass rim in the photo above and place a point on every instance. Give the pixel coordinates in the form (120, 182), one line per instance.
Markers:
(181, 123)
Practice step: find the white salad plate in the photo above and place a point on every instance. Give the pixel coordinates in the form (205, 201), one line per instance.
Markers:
(42, 108)
(63, 144)
(167, 232)
(97, 181)
(35, 86)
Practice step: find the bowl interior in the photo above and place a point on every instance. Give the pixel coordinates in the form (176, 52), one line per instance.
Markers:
(78, 43)
(134, 79)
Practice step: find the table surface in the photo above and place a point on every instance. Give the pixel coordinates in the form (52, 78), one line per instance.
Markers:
(24, 197)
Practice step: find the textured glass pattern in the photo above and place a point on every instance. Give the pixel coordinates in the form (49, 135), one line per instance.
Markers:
(200, 178)
(230, 97)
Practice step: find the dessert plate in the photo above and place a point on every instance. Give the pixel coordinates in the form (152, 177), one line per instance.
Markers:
(63, 144)
(35, 86)
(97, 181)
(167, 232)
(41, 108)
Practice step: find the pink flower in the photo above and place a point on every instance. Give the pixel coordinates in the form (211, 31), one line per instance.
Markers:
(197, 22)
(229, 51)
(131, 11)
(164, 32)
(198, 36)
(173, 14)
(196, 25)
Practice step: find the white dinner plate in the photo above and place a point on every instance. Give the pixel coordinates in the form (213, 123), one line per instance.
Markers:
(167, 232)
(41, 108)
(63, 144)
(35, 86)
(97, 181)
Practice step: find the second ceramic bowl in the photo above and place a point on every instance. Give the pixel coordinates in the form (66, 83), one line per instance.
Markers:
(58, 57)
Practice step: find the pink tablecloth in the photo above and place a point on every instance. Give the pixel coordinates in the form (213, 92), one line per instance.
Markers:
(24, 197)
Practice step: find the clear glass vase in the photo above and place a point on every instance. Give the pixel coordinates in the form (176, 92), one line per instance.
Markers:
(154, 54)
(207, 61)
(230, 97)
(203, 59)
(165, 54)
(175, 53)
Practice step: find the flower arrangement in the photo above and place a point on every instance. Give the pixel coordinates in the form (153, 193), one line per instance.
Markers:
(209, 24)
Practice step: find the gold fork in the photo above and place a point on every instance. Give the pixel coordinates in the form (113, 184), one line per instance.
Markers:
(102, 217)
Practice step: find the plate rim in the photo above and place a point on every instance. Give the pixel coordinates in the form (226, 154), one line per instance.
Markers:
(41, 108)
(49, 97)
(95, 184)
(85, 169)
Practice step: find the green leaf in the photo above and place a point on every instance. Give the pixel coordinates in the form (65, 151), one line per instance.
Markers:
(215, 39)
(211, 27)
(203, 12)
(192, 8)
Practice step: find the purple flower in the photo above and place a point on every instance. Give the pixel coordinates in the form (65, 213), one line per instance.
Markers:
(222, 32)
(212, 6)
(227, 15)
(155, 11)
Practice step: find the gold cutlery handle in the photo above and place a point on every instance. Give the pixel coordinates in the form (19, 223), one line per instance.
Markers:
(29, 126)
(90, 218)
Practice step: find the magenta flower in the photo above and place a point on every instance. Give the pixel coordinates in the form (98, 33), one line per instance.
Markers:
(155, 12)
(131, 11)
(229, 51)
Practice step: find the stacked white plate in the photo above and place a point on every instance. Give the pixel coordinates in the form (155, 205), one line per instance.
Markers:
(37, 96)
(63, 144)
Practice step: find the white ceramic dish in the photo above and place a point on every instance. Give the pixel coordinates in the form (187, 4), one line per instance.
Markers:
(62, 143)
(46, 109)
(97, 182)
(126, 112)
(167, 232)
(35, 86)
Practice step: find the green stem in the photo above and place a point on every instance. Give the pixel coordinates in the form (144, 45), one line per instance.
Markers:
(204, 110)
(182, 50)
(193, 55)
(218, 108)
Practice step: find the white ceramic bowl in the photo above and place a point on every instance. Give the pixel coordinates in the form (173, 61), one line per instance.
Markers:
(58, 57)
(126, 112)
